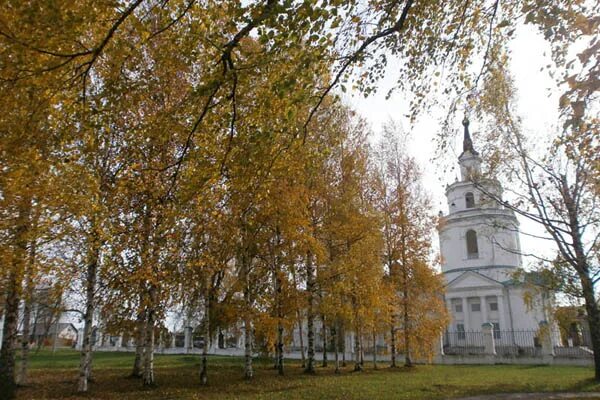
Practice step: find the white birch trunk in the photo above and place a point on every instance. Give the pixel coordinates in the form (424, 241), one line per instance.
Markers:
(85, 362)
(310, 316)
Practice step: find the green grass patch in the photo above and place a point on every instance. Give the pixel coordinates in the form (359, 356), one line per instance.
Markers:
(54, 376)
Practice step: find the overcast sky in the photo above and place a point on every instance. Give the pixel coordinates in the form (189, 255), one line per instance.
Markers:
(537, 106)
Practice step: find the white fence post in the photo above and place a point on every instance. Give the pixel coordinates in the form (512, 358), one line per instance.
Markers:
(546, 339)
(188, 338)
(488, 338)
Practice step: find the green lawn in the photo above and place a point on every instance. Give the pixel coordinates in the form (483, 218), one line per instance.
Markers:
(54, 377)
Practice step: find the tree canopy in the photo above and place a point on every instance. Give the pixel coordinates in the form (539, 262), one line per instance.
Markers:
(195, 155)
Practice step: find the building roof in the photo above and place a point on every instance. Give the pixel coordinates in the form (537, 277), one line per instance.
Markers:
(477, 280)
(40, 328)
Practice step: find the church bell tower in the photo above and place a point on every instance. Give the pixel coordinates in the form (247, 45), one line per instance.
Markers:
(480, 249)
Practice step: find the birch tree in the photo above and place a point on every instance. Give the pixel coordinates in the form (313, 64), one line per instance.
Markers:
(418, 314)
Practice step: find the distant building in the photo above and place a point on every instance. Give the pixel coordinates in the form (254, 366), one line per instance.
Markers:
(573, 326)
(45, 311)
(64, 333)
(481, 251)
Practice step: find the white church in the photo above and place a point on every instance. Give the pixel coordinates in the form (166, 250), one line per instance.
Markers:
(481, 251)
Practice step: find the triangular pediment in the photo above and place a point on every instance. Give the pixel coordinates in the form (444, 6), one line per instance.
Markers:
(471, 279)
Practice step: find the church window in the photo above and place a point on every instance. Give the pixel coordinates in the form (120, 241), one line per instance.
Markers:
(475, 307)
(472, 248)
(493, 306)
(470, 200)
(458, 308)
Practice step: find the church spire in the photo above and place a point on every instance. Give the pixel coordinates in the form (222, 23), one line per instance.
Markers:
(467, 142)
(469, 160)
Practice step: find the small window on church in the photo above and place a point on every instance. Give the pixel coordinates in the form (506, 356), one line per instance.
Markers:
(458, 307)
(470, 200)
(475, 307)
(493, 306)
(472, 248)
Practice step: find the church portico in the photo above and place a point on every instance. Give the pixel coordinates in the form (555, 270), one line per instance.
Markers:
(473, 309)
(471, 306)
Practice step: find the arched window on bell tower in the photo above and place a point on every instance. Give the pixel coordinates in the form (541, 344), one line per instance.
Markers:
(472, 248)
(470, 200)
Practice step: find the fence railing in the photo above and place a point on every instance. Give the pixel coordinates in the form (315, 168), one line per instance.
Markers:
(507, 343)
(464, 343)
(524, 343)
(517, 343)
(577, 339)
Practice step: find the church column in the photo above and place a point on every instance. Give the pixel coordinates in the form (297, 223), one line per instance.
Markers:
(466, 314)
(501, 316)
(483, 306)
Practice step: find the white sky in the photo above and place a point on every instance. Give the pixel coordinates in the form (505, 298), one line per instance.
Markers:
(537, 106)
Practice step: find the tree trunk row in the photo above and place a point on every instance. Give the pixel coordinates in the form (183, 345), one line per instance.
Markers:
(8, 383)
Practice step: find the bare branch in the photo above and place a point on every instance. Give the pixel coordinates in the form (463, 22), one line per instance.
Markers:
(398, 25)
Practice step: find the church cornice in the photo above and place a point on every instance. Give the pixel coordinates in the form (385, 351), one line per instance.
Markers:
(491, 282)
(494, 283)
(478, 213)
(475, 269)
(483, 181)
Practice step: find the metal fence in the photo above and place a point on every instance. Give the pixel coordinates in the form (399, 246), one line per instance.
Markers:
(507, 343)
(518, 343)
(464, 343)
(580, 338)
(577, 345)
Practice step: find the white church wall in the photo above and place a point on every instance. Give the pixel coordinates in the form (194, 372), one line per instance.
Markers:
(524, 318)
(469, 164)
(456, 195)
(496, 246)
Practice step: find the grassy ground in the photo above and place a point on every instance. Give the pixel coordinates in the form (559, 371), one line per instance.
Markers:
(54, 377)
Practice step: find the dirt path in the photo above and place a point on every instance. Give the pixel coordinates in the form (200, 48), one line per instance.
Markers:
(534, 396)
